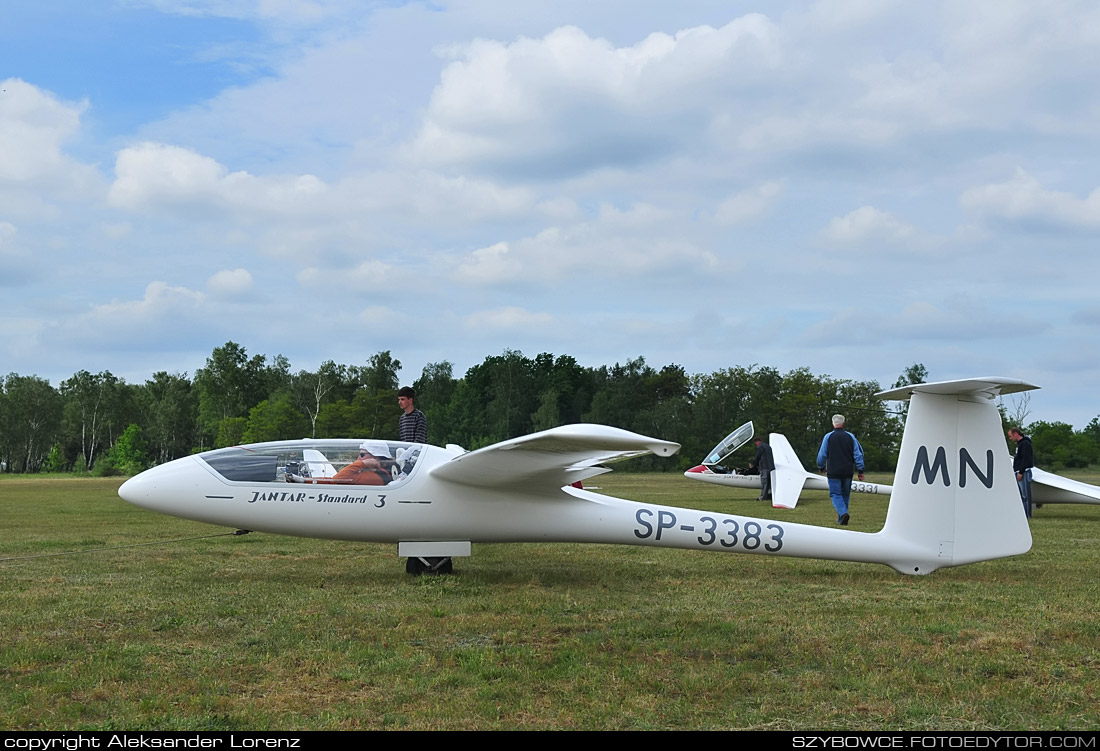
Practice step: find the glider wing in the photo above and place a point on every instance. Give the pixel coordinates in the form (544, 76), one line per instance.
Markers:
(550, 459)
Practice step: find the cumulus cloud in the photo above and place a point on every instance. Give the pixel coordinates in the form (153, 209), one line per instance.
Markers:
(154, 175)
(160, 302)
(617, 243)
(367, 278)
(867, 226)
(163, 315)
(425, 194)
(301, 213)
(568, 102)
(749, 204)
(230, 284)
(491, 265)
(1023, 199)
(34, 128)
(597, 166)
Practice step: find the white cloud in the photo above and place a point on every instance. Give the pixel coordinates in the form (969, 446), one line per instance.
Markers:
(153, 175)
(367, 278)
(750, 204)
(491, 265)
(33, 127)
(228, 284)
(165, 314)
(568, 102)
(160, 302)
(35, 171)
(1023, 199)
(300, 216)
(642, 240)
(566, 167)
(868, 226)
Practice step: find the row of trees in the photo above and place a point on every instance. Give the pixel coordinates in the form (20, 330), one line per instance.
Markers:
(99, 423)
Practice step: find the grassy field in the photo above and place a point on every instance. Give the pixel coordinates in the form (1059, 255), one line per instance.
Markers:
(267, 632)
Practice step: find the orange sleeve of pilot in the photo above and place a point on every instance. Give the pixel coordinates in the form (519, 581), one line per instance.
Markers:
(360, 472)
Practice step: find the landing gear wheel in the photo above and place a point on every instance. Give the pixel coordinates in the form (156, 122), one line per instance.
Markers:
(416, 566)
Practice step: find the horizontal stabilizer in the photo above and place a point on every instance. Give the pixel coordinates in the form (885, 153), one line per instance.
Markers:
(790, 477)
(787, 484)
(989, 387)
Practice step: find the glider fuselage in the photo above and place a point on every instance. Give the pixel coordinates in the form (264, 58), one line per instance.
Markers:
(421, 508)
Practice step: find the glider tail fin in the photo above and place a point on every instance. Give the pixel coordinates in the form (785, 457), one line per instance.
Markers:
(955, 497)
(789, 477)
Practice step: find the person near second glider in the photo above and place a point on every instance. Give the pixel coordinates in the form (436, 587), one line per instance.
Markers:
(764, 462)
(1022, 464)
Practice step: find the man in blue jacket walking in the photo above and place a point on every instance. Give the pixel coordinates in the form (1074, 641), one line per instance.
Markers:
(839, 457)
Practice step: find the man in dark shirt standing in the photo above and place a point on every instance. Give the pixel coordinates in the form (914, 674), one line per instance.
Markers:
(412, 426)
(1022, 464)
(764, 462)
(840, 456)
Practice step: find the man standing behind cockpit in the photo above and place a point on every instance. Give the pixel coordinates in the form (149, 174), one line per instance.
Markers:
(412, 426)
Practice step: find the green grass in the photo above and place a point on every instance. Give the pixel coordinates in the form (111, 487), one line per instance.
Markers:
(268, 632)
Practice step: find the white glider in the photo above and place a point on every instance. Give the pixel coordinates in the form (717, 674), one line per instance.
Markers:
(787, 480)
(955, 499)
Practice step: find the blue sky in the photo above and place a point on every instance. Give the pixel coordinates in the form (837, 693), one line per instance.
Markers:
(848, 185)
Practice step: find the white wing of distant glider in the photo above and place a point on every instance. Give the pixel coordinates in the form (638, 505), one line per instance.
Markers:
(550, 459)
(1047, 487)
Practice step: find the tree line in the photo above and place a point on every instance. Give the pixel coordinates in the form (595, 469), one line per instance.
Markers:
(98, 423)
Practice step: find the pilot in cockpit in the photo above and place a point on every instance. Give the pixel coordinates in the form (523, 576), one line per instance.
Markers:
(373, 467)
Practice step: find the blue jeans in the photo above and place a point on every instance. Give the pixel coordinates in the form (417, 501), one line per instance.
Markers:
(840, 490)
(1025, 492)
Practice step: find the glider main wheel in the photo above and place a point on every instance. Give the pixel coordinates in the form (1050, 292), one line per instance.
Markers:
(416, 566)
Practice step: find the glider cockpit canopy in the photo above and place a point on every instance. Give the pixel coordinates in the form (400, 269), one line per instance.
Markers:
(312, 461)
(729, 444)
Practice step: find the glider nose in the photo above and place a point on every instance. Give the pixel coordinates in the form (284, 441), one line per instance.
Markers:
(138, 489)
(160, 488)
(698, 469)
